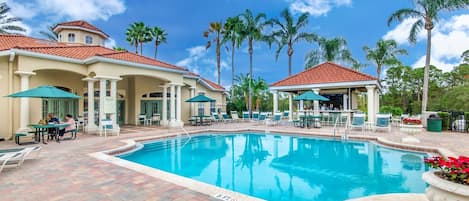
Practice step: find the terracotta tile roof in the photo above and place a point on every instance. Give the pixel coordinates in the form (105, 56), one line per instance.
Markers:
(80, 23)
(213, 84)
(327, 72)
(75, 51)
(8, 41)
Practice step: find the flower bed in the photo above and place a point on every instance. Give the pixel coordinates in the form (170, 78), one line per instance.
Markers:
(411, 121)
(453, 169)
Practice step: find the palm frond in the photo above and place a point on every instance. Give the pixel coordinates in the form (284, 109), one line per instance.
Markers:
(402, 14)
(416, 27)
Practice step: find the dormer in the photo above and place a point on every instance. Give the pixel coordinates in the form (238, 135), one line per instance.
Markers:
(80, 32)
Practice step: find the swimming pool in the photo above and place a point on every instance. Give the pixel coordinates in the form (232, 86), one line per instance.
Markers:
(287, 167)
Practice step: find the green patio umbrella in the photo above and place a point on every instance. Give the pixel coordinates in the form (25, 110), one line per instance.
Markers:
(200, 99)
(310, 96)
(44, 92)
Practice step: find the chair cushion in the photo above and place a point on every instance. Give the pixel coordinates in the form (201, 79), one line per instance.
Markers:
(21, 134)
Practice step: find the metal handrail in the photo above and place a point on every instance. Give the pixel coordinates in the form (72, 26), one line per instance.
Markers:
(335, 124)
(189, 136)
(347, 128)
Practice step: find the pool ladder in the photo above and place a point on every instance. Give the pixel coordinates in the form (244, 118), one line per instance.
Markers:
(188, 136)
(346, 129)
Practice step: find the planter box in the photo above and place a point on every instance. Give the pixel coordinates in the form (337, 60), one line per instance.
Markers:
(411, 129)
(443, 190)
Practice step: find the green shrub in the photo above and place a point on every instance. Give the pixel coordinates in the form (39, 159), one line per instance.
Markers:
(445, 118)
(395, 111)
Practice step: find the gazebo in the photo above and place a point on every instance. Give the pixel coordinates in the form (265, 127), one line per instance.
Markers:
(340, 84)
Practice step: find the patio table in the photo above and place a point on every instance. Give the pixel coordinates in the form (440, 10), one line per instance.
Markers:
(201, 117)
(41, 129)
(306, 121)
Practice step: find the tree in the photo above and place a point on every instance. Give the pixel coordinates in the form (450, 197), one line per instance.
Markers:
(117, 48)
(384, 54)
(159, 35)
(289, 33)
(50, 33)
(465, 56)
(137, 34)
(333, 50)
(6, 22)
(426, 13)
(259, 89)
(215, 28)
(233, 26)
(250, 32)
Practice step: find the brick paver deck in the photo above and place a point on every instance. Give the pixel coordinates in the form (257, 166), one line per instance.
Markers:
(65, 171)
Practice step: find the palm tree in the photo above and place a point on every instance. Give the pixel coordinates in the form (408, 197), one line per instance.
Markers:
(137, 34)
(6, 26)
(465, 56)
(232, 32)
(426, 13)
(159, 35)
(50, 34)
(333, 50)
(252, 31)
(244, 83)
(290, 33)
(384, 54)
(217, 29)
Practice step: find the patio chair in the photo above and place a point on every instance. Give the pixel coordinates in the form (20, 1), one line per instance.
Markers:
(255, 116)
(107, 126)
(15, 157)
(246, 116)
(286, 114)
(234, 116)
(383, 121)
(142, 119)
(216, 117)
(325, 118)
(275, 119)
(262, 118)
(156, 118)
(358, 121)
(226, 118)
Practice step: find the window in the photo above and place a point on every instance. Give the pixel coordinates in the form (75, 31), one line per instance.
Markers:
(71, 37)
(212, 107)
(89, 40)
(60, 37)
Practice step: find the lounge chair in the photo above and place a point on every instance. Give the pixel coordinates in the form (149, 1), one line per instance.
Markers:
(358, 121)
(16, 156)
(262, 118)
(275, 119)
(255, 116)
(234, 116)
(216, 117)
(286, 114)
(383, 121)
(226, 118)
(246, 116)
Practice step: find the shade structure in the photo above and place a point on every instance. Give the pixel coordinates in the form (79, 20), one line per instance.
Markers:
(47, 92)
(310, 96)
(200, 99)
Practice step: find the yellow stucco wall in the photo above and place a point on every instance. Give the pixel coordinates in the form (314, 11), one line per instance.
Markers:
(134, 83)
(80, 36)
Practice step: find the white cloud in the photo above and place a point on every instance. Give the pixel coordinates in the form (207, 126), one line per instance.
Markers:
(192, 60)
(450, 38)
(110, 43)
(316, 7)
(68, 10)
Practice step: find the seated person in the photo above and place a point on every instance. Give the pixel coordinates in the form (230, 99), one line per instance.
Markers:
(51, 119)
(68, 120)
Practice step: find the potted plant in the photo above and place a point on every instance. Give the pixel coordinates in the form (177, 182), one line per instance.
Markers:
(450, 181)
(411, 125)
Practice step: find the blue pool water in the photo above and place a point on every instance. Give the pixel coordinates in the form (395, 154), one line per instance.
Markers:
(283, 167)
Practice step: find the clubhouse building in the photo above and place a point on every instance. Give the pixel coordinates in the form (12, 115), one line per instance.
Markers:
(78, 62)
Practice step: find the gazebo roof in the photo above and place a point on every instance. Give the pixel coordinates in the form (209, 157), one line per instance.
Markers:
(327, 72)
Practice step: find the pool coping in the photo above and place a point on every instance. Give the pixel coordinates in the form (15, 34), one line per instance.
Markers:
(222, 193)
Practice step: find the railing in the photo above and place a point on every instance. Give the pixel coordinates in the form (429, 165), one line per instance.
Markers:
(335, 124)
(347, 128)
(189, 136)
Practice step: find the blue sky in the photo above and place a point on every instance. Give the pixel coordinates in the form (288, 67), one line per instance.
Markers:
(360, 22)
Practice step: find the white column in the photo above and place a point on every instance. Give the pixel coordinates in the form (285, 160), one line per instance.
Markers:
(370, 89)
(113, 94)
(290, 107)
(90, 125)
(172, 105)
(178, 105)
(164, 118)
(24, 102)
(316, 103)
(377, 101)
(345, 102)
(302, 105)
(192, 106)
(102, 96)
(275, 97)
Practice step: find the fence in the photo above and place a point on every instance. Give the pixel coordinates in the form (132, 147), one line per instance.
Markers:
(458, 122)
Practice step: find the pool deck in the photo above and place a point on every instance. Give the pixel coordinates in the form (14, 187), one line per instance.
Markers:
(66, 171)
